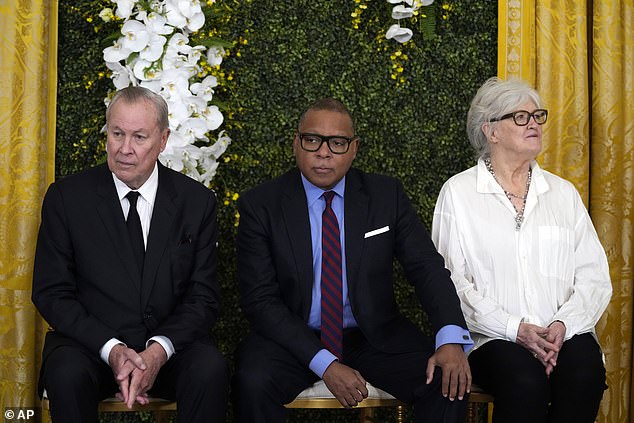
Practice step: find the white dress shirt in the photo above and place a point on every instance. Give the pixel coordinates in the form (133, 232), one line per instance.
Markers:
(144, 206)
(552, 268)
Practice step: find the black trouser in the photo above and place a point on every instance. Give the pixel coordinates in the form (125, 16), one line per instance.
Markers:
(268, 376)
(524, 393)
(197, 378)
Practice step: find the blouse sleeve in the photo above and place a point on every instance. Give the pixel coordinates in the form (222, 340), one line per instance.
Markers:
(592, 288)
(483, 315)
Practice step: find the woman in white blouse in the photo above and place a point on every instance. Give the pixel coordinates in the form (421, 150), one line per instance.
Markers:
(528, 266)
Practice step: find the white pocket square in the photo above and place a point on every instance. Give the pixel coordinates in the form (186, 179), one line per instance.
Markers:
(377, 231)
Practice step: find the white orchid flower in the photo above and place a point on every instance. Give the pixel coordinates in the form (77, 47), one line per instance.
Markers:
(210, 166)
(185, 13)
(169, 156)
(178, 112)
(135, 35)
(121, 75)
(145, 70)
(215, 55)
(152, 85)
(178, 43)
(171, 160)
(399, 34)
(175, 84)
(124, 8)
(195, 16)
(174, 15)
(219, 147)
(157, 23)
(195, 105)
(213, 117)
(193, 129)
(116, 52)
(402, 12)
(205, 88)
(154, 49)
(175, 141)
(195, 54)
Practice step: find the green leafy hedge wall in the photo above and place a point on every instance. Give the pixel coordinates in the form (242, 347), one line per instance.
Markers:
(409, 102)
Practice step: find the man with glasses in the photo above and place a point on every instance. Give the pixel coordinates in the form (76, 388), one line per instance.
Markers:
(315, 265)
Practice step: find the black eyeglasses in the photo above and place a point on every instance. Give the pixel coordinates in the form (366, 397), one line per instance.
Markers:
(522, 117)
(336, 143)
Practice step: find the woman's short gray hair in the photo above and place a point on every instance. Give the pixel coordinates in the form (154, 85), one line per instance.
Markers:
(496, 97)
(134, 94)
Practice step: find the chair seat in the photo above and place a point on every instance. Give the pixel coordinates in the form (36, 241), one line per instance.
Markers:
(479, 395)
(318, 396)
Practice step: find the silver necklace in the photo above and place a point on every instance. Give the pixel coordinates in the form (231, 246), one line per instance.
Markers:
(519, 216)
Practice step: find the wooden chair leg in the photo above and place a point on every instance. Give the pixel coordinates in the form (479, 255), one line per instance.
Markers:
(400, 414)
(366, 415)
(162, 416)
(471, 413)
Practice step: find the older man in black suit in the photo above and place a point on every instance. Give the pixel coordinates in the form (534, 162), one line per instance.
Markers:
(125, 274)
(315, 263)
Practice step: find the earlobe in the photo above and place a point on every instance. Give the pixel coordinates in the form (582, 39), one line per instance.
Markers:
(164, 139)
(488, 131)
(295, 142)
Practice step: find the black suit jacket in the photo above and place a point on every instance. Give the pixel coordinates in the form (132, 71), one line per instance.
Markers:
(275, 264)
(85, 282)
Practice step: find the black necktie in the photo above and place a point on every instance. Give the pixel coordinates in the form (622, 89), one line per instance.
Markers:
(135, 231)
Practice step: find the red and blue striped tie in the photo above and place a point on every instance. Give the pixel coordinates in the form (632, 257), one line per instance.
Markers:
(331, 282)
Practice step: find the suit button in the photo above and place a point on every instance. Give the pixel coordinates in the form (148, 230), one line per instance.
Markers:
(147, 316)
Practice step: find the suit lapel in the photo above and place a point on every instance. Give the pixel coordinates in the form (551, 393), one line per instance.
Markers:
(160, 229)
(110, 213)
(295, 215)
(356, 205)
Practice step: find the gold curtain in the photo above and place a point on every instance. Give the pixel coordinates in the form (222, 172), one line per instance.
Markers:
(580, 57)
(28, 77)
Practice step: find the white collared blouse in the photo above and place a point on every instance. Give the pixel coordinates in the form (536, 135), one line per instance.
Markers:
(552, 268)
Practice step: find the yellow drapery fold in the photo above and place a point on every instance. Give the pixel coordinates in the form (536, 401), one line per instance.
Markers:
(581, 60)
(28, 75)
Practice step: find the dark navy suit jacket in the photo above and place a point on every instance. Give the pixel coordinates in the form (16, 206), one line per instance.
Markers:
(276, 273)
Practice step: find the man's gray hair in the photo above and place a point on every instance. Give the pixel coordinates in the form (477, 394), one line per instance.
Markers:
(132, 95)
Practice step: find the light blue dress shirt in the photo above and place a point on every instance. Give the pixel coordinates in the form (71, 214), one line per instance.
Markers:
(450, 334)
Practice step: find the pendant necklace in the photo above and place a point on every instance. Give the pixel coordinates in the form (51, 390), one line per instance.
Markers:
(519, 217)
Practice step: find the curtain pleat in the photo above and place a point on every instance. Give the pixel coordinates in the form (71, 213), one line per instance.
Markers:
(28, 62)
(612, 190)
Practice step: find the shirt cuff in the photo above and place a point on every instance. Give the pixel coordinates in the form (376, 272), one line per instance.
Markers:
(321, 361)
(104, 352)
(512, 327)
(453, 334)
(165, 343)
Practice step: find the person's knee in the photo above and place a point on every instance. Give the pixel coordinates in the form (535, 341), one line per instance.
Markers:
(527, 387)
(582, 379)
(207, 368)
(580, 364)
(251, 380)
(67, 370)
